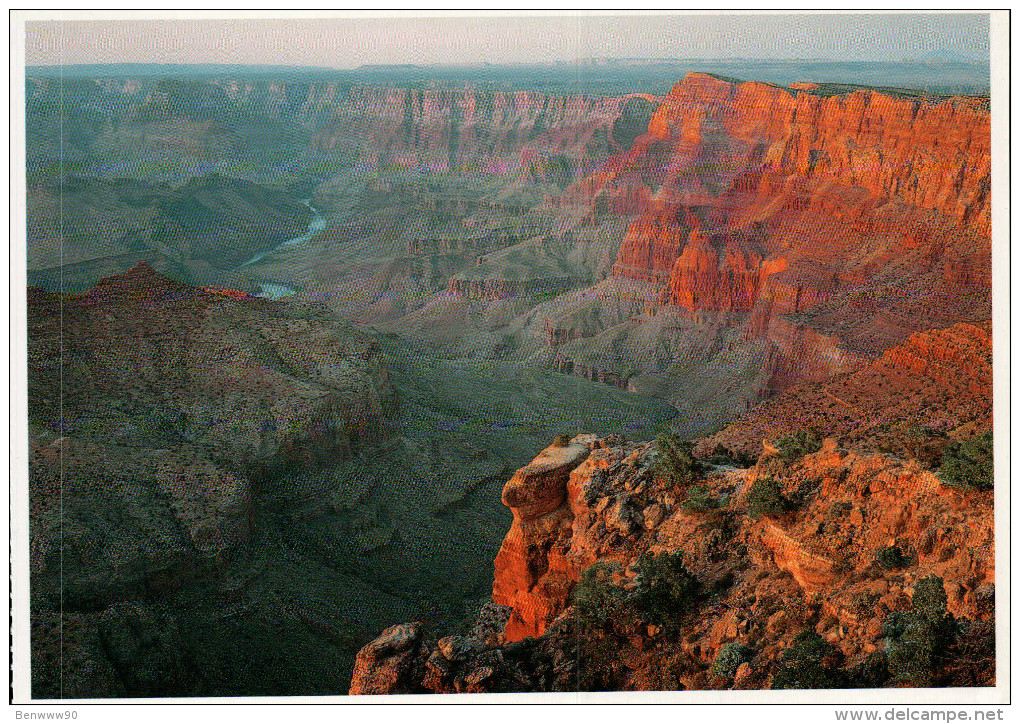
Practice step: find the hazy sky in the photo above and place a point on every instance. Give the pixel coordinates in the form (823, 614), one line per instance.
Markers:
(350, 42)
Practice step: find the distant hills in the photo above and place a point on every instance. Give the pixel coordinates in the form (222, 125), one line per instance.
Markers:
(596, 76)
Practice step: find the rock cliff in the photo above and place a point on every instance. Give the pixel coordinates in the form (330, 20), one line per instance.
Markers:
(939, 380)
(815, 566)
(833, 223)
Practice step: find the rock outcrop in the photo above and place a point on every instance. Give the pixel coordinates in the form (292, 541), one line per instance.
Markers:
(815, 567)
(939, 380)
(525, 572)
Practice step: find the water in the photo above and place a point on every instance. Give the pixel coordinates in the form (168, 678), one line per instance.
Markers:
(317, 224)
(275, 291)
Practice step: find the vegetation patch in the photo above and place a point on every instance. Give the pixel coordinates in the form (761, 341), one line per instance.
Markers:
(809, 663)
(891, 558)
(596, 598)
(968, 463)
(765, 498)
(795, 446)
(916, 639)
(665, 590)
(729, 658)
(700, 499)
(676, 463)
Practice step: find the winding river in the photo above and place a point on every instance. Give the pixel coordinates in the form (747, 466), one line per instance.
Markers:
(276, 290)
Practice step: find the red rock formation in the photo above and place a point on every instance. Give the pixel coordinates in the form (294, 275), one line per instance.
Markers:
(894, 148)
(771, 578)
(940, 379)
(526, 574)
(766, 150)
(777, 203)
(721, 272)
(652, 245)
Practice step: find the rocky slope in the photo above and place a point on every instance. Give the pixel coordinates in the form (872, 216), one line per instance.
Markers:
(762, 580)
(938, 381)
(159, 416)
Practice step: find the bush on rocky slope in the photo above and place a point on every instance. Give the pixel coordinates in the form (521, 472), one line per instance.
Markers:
(916, 638)
(766, 498)
(809, 663)
(968, 463)
(666, 590)
(676, 463)
(891, 558)
(795, 446)
(729, 658)
(596, 597)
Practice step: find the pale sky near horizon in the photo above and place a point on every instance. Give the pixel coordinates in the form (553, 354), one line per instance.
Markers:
(350, 42)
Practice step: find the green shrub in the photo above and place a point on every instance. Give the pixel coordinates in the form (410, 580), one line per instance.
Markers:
(808, 664)
(915, 639)
(596, 598)
(968, 463)
(891, 558)
(766, 498)
(561, 441)
(699, 499)
(729, 658)
(871, 673)
(924, 444)
(794, 447)
(676, 463)
(665, 589)
(930, 599)
(911, 653)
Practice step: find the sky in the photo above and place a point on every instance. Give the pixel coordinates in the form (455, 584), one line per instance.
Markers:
(351, 42)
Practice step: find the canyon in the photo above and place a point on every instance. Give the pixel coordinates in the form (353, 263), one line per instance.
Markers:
(477, 270)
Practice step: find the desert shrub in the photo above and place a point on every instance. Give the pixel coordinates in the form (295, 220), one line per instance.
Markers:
(596, 598)
(809, 663)
(930, 599)
(911, 653)
(805, 489)
(968, 463)
(665, 589)
(915, 639)
(766, 498)
(729, 658)
(870, 673)
(561, 441)
(891, 558)
(924, 444)
(676, 463)
(722, 455)
(795, 446)
(699, 499)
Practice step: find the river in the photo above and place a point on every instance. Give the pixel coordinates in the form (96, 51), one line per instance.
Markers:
(276, 290)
